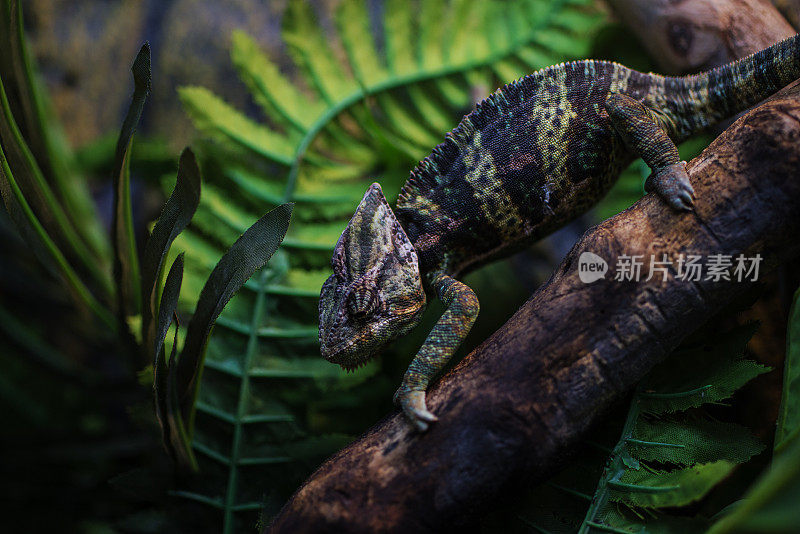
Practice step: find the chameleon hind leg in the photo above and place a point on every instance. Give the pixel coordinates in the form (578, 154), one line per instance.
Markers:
(443, 340)
(642, 131)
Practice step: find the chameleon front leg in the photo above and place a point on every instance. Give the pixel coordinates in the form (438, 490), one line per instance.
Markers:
(451, 329)
(640, 129)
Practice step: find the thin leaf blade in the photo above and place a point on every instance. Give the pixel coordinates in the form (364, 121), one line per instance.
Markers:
(176, 215)
(789, 412)
(126, 261)
(770, 504)
(169, 303)
(249, 253)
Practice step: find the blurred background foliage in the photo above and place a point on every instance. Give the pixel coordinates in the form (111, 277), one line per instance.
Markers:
(306, 102)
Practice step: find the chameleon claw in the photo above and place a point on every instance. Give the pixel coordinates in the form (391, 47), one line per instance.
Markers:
(413, 405)
(686, 199)
(672, 184)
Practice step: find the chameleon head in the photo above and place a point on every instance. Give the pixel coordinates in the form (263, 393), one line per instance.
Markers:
(375, 293)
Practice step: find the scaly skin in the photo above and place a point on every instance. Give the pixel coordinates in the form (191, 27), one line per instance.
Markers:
(530, 158)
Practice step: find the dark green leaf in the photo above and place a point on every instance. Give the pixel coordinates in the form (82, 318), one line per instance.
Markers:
(174, 432)
(789, 414)
(166, 310)
(625, 519)
(126, 261)
(17, 76)
(38, 193)
(40, 158)
(177, 213)
(688, 441)
(43, 245)
(637, 472)
(178, 439)
(42, 134)
(169, 301)
(661, 489)
(701, 374)
(248, 254)
(771, 504)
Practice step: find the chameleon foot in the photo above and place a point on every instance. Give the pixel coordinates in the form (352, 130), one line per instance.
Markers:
(413, 405)
(672, 184)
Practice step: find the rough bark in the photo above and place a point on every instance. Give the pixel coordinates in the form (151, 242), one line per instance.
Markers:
(790, 9)
(687, 36)
(510, 410)
(690, 35)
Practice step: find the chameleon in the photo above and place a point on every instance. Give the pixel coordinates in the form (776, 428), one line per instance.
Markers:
(531, 157)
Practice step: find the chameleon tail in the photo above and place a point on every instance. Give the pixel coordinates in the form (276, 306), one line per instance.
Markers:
(710, 97)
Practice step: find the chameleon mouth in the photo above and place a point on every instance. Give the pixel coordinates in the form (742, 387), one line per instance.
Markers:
(348, 355)
(353, 366)
(334, 354)
(351, 350)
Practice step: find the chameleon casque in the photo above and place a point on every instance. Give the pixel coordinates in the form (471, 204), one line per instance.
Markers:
(527, 160)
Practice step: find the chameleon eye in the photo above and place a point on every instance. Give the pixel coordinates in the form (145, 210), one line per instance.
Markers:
(362, 302)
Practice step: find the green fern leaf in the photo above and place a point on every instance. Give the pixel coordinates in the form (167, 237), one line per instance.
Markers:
(665, 458)
(278, 97)
(662, 489)
(692, 441)
(219, 120)
(701, 374)
(705, 449)
(620, 518)
(770, 505)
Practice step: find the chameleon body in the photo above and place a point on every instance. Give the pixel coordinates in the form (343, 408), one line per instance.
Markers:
(530, 158)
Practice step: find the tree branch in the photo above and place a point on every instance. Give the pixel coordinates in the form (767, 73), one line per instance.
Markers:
(688, 36)
(698, 35)
(510, 409)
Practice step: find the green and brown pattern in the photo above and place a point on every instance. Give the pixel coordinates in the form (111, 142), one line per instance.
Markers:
(531, 157)
(375, 293)
(462, 309)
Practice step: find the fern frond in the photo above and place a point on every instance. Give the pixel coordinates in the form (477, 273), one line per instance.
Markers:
(664, 457)
(663, 489)
(771, 503)
(636, 474)
(700, 375)
(692, 441)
